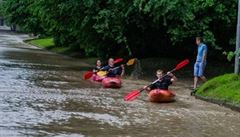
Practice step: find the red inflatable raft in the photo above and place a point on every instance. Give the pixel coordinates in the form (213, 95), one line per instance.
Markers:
(97, 78)
(111, 82)
(159, 95)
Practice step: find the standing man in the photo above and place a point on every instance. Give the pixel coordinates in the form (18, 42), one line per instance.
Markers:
(200, 63)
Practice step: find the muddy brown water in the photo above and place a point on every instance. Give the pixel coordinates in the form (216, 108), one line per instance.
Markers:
(43, 94)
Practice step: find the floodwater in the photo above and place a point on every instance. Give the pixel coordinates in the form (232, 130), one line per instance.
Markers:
(43, 94)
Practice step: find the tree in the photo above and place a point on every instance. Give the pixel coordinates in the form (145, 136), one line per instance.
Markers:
(19, 12)
(138, 27)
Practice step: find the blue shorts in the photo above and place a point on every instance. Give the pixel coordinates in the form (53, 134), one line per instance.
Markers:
(199, 69)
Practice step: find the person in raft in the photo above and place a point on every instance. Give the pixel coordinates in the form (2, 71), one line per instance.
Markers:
(200, 63)
(163, 82)
(112, 70)
(98, 66)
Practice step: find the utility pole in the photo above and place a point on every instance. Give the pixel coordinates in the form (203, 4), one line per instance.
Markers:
(237, 57)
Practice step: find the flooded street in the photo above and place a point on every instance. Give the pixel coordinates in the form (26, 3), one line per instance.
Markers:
(43, 94)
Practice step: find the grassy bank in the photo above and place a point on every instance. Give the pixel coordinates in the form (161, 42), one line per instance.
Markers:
(224, 88)
(48, 43)
(43, 43)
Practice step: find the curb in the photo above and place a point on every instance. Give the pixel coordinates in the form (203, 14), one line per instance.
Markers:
(219, 102)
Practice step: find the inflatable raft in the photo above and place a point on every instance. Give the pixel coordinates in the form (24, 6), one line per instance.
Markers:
(159, 95)
(111, 82)
(97, 78)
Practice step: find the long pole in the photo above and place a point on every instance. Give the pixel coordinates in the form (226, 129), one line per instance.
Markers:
(236, 70)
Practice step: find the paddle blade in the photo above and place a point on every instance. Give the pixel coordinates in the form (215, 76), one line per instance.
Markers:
(118, 60)
(102, 73)
(182, 64)
(133, 95)
(130, 62)
(88, 75)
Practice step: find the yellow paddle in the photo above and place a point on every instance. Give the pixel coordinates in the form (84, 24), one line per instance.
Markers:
(102, 73)
(129, 63)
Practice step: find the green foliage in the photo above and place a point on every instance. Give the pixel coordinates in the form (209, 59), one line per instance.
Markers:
(230, 55)
(1, 8)
(225, 87)
(19, 12)
(116, 27)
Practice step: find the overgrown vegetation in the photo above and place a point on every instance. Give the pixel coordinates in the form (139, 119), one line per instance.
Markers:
(121, 27)
(225, 88)
(1, 8)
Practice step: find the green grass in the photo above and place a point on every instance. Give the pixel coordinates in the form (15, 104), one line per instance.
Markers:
(225, 88)
(48, 43)
(43, 43)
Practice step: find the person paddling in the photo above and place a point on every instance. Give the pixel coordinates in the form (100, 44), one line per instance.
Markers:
(98, 66)
(112, 71)
(95, 76)
(164, 82)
